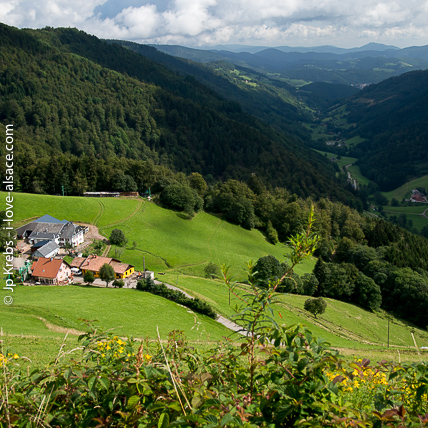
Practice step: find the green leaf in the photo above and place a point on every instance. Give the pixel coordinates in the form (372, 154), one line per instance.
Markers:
(132, 402)
(196, 402)
(105, 382)
(226, 419)
(163, 420)
(91, 382)
(211, 418)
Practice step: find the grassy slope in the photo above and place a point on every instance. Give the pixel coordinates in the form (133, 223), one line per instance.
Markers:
(343, 325)
(166, 240)
(129, 312)
(162, 236)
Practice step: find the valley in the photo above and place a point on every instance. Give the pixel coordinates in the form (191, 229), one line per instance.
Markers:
(270, 187)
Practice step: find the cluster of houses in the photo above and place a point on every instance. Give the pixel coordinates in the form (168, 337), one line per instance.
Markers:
(47, 235)
(58, 272)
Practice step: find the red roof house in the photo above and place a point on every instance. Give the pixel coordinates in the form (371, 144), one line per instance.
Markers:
(51, 271)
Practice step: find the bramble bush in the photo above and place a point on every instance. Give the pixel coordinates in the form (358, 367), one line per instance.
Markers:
(276, 376)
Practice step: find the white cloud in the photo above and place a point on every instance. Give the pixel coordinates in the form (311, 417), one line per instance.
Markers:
(193, 22)
(56, 13)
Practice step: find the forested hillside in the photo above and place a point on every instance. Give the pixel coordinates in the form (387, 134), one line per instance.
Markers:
(81, 105)
(89, 115)
(393, 118)
(271, 100)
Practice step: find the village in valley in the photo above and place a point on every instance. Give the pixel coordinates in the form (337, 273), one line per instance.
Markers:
(54, 252)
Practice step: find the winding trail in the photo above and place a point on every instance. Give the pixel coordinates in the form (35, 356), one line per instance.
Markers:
(220, 319)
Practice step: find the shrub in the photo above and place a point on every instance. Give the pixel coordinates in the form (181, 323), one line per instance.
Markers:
(315, 306)
(117, 237)
(176, 296)
(211, 270)
(181, 197)
(118, 283)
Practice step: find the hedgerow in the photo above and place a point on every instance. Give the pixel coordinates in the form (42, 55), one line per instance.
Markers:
(177, 296)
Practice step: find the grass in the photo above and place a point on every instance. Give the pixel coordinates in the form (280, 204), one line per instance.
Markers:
(127, 311)
(413, 212)
(343, 161)
(167, 241)
(353, 169)
(164, 238)
(356, 173)
(354, 141)
(343, 325)
(181, 249)
(404, 191)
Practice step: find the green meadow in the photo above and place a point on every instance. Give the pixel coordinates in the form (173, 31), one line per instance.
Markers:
(343, 325)
(413, 211)
(177, 250)
(164, 238)
(343, 161)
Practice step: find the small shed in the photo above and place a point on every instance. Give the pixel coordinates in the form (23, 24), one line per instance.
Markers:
(47, 250)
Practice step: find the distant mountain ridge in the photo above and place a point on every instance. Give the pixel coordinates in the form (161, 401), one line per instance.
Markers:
(371, 63)
(302, 49)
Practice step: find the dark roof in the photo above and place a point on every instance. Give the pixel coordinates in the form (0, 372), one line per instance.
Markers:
(49, 219)
(69, 230)
(47, 249)
(29, 227)
(46, 230)
(39, 244)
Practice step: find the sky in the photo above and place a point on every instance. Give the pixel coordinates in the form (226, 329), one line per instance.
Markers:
(204, 23)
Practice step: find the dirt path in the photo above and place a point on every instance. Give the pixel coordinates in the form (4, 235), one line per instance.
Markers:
(93, 232)
(59, 329)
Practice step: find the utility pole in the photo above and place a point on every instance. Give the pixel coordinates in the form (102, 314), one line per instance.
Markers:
(388, 332)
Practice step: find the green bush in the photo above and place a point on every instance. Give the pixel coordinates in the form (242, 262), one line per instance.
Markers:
(177, 296)
(117, 237)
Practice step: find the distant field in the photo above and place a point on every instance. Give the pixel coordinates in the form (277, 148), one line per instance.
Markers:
(354, 141)
(356, 173)
(413, 211)
(343, 161)
(404, 192)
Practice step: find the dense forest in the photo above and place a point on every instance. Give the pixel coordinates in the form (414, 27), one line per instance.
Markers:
(72, 97)
(392, 117)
